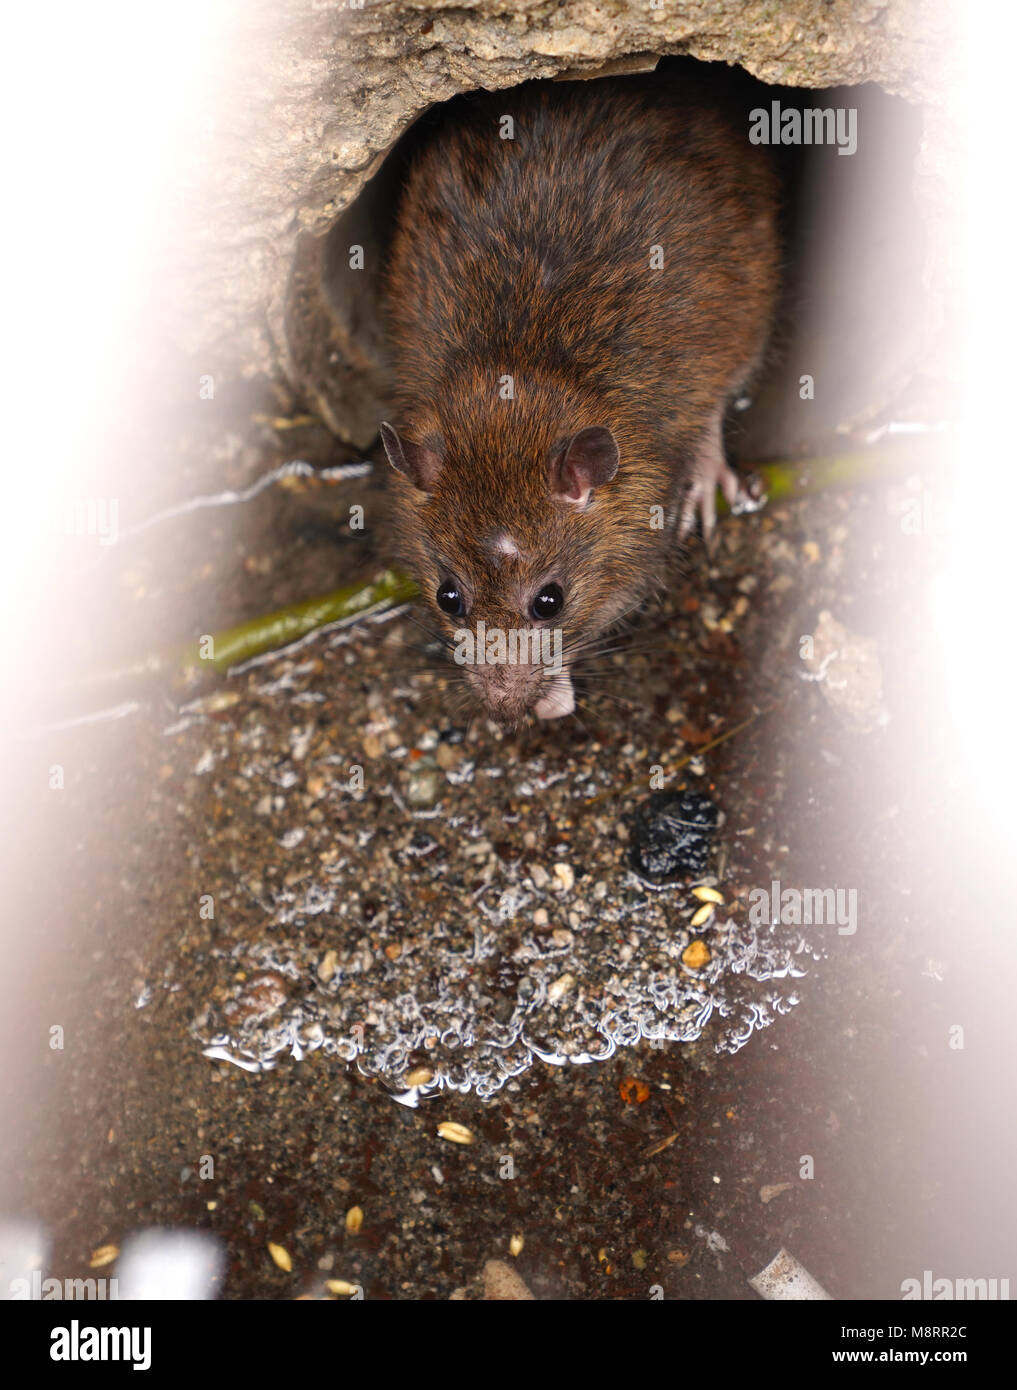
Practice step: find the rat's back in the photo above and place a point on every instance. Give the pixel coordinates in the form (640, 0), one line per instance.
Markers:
(621, 231)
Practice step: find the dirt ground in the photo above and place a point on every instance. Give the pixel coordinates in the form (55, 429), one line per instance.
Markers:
(470, 911)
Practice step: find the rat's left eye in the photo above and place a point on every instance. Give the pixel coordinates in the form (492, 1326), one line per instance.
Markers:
(548, 603)
(450, 599)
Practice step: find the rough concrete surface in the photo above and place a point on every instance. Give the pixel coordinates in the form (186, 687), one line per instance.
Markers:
(314, 94)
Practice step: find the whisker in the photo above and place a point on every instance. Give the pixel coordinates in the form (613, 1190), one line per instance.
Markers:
(613, 641)
(615, 699)
(573, 714)
(600, 678)
(436, 671)
(417, 649)
(434, 633)
(617, 651)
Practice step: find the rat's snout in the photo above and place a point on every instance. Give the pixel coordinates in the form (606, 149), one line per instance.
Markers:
(510, 677)
(510, 692)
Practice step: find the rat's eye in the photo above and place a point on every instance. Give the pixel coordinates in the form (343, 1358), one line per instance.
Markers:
(548, 603)
(450, 599)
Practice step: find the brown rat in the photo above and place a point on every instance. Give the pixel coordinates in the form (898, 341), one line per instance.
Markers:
(571, 311)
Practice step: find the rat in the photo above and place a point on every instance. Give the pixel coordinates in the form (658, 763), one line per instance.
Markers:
(581, 278)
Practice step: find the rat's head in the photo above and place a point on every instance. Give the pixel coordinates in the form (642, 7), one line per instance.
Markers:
(517, 560)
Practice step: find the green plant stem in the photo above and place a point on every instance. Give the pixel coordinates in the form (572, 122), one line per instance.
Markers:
(286, 625)
(911, 453)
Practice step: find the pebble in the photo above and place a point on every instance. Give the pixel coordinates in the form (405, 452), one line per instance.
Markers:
(561, 987)
(565, 875)
(773, 1189)
(424, 786)
(696, 955)
(300, 742)
(455, 1133)
(847, 668)
(503, 1285)
(447, 756)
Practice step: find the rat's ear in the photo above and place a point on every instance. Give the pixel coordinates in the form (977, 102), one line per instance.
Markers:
(579, 464)
(417, 462)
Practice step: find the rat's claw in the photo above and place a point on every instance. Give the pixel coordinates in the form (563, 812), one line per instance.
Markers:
(741, 495)
(730, 485)
(700, 503)
(749, 496)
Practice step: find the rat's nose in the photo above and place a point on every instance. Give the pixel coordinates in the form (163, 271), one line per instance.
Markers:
(509, 692)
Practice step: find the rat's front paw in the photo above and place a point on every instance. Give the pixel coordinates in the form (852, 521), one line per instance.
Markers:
(742, 494)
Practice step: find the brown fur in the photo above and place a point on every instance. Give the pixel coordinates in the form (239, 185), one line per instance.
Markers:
(531, 258)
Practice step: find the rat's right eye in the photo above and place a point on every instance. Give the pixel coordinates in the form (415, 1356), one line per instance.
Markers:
(450, 599)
